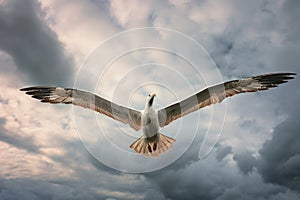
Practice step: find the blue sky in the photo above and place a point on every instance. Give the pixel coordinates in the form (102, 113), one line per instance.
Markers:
(54, 151)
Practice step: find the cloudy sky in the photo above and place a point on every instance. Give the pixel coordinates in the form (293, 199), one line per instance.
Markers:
(125, 49)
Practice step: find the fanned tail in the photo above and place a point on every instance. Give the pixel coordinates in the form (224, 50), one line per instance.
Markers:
(153, 148)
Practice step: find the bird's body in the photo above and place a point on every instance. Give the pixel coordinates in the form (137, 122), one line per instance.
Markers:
(150, 125)
(153, 143)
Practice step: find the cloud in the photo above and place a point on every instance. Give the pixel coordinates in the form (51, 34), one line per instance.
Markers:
(92, 25)
(211, 179)
(245, 162)
(222, 152)
(33, 46)
(24, 142)
(289, 18)
(280, 161)
(126, 17)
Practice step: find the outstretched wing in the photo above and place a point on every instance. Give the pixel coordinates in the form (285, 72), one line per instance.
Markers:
(86, 100)
(218, 93)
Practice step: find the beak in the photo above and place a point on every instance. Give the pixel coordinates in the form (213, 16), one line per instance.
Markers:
(151, 99)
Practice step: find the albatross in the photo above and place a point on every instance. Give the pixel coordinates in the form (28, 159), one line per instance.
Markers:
(153, 143)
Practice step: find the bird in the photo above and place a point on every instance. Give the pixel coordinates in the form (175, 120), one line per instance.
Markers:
(153, 143)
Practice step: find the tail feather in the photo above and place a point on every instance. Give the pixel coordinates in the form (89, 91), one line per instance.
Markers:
(154, 148)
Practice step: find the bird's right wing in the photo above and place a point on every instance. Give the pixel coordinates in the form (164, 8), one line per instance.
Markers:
(87, 100)
(218, 93)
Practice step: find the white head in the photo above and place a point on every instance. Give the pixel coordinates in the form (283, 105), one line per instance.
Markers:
(150, 100)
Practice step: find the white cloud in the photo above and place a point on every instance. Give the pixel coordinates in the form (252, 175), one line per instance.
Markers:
(17, 163)
(80, 25)
(208, 21)
(131, 13)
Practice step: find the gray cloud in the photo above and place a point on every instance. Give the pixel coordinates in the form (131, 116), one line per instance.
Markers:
(222, 152)
(235, 49)
(38, 189)
(280, 160)
(245, 161)
(209, 179)
(290, 16)
(23, 142)
(33, 46)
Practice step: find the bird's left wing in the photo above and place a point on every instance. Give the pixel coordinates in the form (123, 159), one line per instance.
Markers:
(87, 100)
(218, 93)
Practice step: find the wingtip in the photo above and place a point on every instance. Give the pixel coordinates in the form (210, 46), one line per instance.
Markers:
(29, 88)
(293, 75)
(24, 89)
(290, 75)
(34, 89)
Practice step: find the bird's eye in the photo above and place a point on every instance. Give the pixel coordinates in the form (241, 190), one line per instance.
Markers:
(149, 95)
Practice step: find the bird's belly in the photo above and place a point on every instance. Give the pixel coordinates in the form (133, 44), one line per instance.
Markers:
(150, 124)
(150, 130)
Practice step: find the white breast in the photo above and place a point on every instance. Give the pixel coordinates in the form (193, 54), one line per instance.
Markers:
(150, 124)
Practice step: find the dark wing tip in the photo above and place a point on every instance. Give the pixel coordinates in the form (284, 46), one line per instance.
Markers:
(39, 92)
(25, 89)
(274, 79)
(37, 88)
(291, 73)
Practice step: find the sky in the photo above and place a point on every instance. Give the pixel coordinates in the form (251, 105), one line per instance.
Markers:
(247, 147)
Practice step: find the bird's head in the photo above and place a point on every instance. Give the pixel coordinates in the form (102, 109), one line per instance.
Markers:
(150, 99)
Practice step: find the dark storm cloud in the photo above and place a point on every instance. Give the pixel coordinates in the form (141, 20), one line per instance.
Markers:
(189, 183)
(209, 179)
(280, 156)
(245, 161)
(33, 46)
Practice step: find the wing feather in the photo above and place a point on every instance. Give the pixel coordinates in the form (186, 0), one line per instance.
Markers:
(88, 100)
(218, 93)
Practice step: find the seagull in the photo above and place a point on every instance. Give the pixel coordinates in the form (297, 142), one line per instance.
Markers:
(153, 143)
